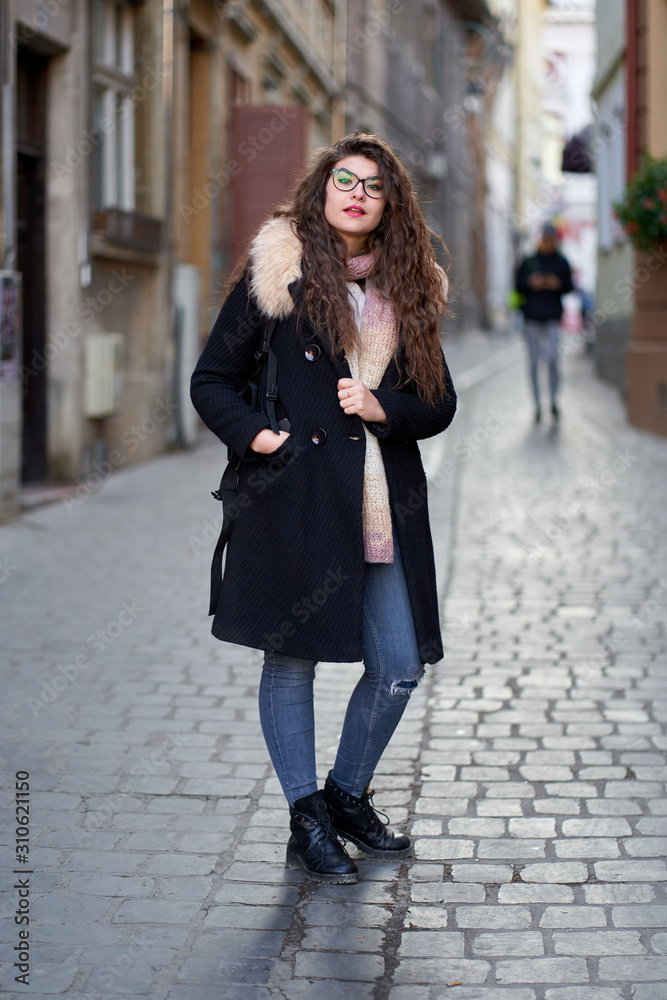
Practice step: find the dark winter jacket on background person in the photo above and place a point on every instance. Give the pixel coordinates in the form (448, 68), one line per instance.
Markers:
(543, 303)
(294, 571)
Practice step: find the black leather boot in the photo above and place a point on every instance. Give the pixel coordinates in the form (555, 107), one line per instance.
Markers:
(356, 820)
(314, 846)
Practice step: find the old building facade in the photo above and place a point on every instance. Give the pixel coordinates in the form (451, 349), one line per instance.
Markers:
(142, 144)
(419, 73)
(139, 142)
(83, 224)
(614, 309)
(646, 357)
(631, 307)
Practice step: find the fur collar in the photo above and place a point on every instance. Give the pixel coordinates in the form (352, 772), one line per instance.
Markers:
(275, 262)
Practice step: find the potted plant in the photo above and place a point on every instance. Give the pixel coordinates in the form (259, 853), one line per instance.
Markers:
(642, 211)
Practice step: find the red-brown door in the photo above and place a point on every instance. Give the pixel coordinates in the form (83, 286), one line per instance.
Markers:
(269, 144)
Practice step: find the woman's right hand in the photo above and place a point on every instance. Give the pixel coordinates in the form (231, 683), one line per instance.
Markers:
(267, 441)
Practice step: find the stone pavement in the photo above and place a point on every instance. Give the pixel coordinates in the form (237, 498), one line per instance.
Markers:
(530, 765)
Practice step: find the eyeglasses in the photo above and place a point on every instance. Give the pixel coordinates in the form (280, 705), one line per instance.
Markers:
(345, 180)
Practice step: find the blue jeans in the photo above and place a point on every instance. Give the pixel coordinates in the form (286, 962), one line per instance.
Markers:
(542, 338)
(392, 670)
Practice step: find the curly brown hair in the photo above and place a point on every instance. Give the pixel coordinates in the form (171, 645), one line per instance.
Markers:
(404, 267)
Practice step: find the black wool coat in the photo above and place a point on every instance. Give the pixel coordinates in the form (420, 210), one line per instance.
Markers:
(294, 569)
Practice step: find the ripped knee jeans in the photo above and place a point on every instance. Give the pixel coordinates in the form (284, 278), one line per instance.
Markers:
(392, 670)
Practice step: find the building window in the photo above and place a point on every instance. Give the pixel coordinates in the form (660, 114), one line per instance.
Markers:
(113, 52)
(323, 29)
(239, 89)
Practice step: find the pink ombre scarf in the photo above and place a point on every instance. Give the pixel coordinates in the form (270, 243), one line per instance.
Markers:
(368, 362)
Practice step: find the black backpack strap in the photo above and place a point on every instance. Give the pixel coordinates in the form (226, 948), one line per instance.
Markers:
(271, 375)
(226, 492)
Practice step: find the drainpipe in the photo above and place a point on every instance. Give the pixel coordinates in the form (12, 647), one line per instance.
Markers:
(85, 77)
(631, 87)
(168, 207)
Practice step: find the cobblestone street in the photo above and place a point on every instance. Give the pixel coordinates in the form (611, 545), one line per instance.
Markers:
(529, 767)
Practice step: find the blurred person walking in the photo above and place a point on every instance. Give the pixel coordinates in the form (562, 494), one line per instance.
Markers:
(330, 557)
(542, 279)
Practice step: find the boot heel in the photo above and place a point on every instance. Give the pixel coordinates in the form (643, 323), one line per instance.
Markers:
(291, 861)
(355, 818)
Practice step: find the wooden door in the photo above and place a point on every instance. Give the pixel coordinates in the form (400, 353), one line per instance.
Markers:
(269, 144)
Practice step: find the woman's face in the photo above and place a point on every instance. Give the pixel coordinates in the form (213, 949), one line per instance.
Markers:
(350, 211)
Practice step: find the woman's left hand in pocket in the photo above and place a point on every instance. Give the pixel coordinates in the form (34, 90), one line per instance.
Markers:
(357, 398)
(266, 442)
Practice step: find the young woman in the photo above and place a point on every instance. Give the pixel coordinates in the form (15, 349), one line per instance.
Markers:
(330, 556)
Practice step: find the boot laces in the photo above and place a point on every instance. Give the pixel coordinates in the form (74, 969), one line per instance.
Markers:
(328, 832)
(373, 812)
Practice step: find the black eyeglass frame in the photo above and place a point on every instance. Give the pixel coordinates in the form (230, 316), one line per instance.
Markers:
(360, 180)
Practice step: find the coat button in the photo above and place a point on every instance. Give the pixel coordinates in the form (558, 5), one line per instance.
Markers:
(319, 436)
(312, 352)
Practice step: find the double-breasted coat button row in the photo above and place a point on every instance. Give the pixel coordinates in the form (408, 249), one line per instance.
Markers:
(319, 435)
